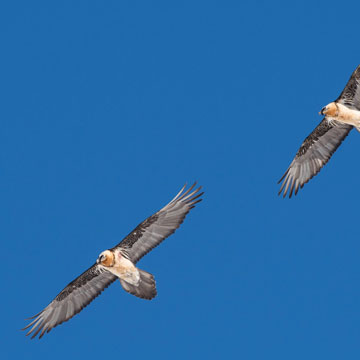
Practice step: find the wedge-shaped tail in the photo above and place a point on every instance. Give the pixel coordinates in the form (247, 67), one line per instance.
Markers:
(146, 289)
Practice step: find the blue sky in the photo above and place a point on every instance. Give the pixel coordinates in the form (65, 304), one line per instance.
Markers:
(109, 108)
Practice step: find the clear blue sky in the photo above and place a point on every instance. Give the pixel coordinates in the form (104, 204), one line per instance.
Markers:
(108, 108)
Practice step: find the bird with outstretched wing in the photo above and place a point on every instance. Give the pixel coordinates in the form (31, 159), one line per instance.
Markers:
(118, 263)
(340, 117)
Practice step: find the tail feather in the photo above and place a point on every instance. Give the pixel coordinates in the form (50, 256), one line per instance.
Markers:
(146, 288)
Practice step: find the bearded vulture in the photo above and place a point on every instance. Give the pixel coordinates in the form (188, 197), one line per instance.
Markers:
(118, 263)
(341, 116)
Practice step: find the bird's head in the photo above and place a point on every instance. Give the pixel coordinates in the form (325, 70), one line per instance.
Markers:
(106, 258)
(329, 110)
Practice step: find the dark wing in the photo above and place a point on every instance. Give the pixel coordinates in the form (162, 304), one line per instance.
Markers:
(156, 228)
(351, 93)
(314, 153)
(78, 294)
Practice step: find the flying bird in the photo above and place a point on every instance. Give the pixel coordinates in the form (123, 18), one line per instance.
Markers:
(118, 263)
(341, 116)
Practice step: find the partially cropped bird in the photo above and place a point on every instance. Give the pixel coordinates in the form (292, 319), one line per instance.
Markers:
(118, 263)
(341, 116)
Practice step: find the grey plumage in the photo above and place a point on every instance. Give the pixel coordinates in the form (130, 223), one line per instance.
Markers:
(146, 288)
(156, 228)
(314, 153)
(70, 301)
(350, 96)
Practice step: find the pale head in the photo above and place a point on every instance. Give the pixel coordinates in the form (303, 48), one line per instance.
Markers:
(329, 110)
(106, 258)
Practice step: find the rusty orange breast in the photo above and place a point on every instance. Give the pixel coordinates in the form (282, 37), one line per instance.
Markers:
(109, 259)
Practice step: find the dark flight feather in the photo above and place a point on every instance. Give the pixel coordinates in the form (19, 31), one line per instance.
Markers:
(350, 96)
(314, 153)
(71, 300)
(156, 228)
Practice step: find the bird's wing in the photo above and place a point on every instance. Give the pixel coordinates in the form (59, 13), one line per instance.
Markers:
(314, 153)
(151, 232)
(350, 96)
(76, 295)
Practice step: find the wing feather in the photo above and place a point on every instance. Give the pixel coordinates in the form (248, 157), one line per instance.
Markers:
(350, 96)
(71, 300)
(314, 153)
(151, 232)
